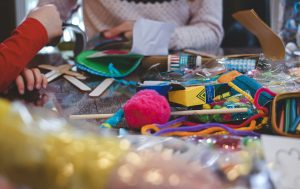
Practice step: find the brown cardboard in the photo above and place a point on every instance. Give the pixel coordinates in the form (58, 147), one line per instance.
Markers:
(272, 45)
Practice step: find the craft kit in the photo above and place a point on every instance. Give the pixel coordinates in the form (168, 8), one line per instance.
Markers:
(285, 114)
(197, 95)
(228, 103)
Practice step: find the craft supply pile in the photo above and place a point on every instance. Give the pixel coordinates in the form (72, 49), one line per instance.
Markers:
(194, 120)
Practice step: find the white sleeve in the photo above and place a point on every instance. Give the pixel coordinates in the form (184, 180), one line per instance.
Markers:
(204, 30)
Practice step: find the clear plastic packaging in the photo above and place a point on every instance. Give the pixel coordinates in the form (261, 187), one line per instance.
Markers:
(281, 77)
(46, 152)
(242, 65)
(236, 101)
(61, 156)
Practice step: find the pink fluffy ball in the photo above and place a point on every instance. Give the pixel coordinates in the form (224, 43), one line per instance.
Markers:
(146, 107)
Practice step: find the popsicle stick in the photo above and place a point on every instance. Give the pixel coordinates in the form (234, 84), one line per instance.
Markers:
(49, 74)
(210, 112)
(71, 73)
(178, 113)
(54, 76)
(101, 87)
(91, 116)
(47, 67)
(77, 83)
(282, 117)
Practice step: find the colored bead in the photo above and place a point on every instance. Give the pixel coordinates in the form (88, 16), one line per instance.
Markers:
(217, 118)
(204, 118)
(206, 106)
(227, 117)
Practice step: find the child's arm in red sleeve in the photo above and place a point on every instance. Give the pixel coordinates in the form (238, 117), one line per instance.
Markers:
(19, 49)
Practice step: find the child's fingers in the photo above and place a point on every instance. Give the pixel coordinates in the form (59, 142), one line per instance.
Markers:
(20, 84)
(44, 81)
(29, 78)
(38, 78)
(5, 184)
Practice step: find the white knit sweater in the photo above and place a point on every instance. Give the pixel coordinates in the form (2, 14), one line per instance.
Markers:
(199, 22)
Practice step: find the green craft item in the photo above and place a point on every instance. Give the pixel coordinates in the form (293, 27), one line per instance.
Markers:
(115, 66)
(287, 115)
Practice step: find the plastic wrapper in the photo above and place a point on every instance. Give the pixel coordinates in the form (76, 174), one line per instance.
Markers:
(246, 64)
(236, 101)
(238, 162)
(46, 152)
(199, 75)
(38, 151)
(281, 77)
(242, 65)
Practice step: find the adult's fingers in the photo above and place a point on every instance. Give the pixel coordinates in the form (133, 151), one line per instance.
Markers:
(128, 35)
(122, 28)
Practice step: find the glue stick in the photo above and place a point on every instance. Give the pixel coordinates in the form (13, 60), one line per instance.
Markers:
(182, 62)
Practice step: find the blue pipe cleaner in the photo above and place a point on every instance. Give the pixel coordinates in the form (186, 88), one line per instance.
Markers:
(113, 121)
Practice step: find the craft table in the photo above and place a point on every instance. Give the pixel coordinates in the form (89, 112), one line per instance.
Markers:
(62, 97)
(65, 99)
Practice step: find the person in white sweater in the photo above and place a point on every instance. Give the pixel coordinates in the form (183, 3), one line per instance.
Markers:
(198, 22)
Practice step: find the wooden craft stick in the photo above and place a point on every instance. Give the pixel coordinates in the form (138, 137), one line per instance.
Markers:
(178, 113)
(282, 117)
(210, 112)
(77, 83)
(63, 69)
(91, 116)
(47, 67)
(53, 76)
(49, 74)
(101, 87)
(200, 53)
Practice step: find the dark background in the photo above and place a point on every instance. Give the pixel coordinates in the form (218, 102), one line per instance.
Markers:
(7, 18)
(235, 34)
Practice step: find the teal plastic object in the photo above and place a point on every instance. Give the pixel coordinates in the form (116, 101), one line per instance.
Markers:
(115, 66)
(250, 85)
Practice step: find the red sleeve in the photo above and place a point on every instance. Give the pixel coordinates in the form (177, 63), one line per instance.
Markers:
(19, 49)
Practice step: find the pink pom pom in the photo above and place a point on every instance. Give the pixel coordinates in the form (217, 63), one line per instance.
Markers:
(146, 107)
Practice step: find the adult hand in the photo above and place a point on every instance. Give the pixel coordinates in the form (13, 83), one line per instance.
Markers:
(126, 28)
(49, 18)
(31, 79)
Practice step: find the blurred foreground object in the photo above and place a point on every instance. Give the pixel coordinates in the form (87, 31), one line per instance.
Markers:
(37, 152)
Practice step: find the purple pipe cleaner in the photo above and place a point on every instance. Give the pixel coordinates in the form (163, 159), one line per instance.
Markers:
(199, 127)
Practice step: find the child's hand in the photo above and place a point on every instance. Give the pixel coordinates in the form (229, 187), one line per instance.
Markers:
(50, 18)
(31, 79)
(64, 8)
(5, 184)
